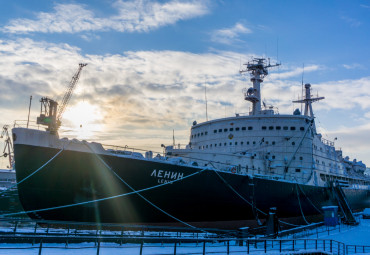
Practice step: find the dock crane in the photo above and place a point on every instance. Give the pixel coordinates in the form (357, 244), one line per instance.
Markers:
(8, 147)
(50, 115)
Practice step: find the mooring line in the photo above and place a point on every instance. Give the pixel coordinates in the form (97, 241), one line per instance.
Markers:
(152, 204)
(33, 173)
(300, 206)
(287, 223)
(102, 199)
(308, 199)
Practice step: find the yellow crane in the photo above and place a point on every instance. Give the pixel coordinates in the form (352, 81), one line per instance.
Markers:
(50, 115)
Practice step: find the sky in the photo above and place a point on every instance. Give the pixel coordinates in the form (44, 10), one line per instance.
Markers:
(150, 62)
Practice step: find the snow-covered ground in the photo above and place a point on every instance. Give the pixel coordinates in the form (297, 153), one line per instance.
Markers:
(359, 235)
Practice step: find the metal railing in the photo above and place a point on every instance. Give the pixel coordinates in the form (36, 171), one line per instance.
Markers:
(46, 236)
(141, 245)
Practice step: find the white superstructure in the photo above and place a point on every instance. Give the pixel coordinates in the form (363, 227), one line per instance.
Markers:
(270, 145)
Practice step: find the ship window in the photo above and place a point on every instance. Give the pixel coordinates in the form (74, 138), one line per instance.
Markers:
(273, 142)
(201, 134)
(210, 146)
(225, 144)
(244, 128)
(297, 170)
(220, 144)
(198, 134)
(263, 127)
(215, 131)
(278, 128)
(267, 142)
(207, 146)
(206, 133)
(237, 129)
(323, 163)
(225, 129)
(300, 158)
(215, 144)
(199, 147)
(285, 128)
(220, 130)
(301, 128)
(292, 128)
(273, 157)
(250, 128)
(293, 143)
(254, 142)
(231, 129)
(236, 143)
(271, 128)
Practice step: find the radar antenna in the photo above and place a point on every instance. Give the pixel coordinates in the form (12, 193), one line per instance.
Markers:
(258, 69)
(308, 100)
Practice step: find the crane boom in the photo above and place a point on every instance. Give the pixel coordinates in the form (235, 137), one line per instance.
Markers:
(67, 96)
(50, 113)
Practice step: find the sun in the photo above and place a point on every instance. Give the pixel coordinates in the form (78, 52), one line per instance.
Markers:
(84, 119)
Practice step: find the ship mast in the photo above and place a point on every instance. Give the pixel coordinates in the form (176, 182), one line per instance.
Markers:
(308, 100)
(258, 71)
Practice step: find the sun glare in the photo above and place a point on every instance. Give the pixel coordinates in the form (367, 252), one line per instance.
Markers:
(84, 119)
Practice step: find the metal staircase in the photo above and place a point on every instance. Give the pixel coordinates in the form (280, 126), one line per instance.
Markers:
(343, 204)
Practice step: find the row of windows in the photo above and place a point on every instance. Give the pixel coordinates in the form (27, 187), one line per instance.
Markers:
(279, 128)
(232, 129)
(330, 165)
(297, 170)
(236, 143)
(245, 128)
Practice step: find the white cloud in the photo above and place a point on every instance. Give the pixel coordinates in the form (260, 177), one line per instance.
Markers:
(353, 66)
(143, 95)
(351, 21)
(229, 35)
(294, 71)
(133, 16)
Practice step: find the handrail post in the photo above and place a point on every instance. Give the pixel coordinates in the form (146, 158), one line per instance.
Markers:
(248, 246)
(228, 247)
(40, 247)
(35, 228)
(141, 247)
(98, 249)
(15, 227)
(204, 247)
(175, 248)
(280, 245)
(323, 241)
(265, 245)
(331, 246)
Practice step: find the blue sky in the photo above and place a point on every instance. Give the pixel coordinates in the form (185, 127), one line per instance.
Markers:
(149, 61)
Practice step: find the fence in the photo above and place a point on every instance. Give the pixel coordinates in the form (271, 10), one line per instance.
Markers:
(175, 246)
(51, 236)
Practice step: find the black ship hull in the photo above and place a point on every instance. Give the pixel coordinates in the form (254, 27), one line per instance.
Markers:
(75, 177)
